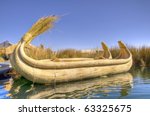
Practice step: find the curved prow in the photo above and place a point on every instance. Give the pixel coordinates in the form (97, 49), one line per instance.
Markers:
(107, 53)
(124, 51)
(38, 28)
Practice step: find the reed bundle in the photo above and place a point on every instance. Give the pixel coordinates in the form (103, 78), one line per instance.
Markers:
(38, 28)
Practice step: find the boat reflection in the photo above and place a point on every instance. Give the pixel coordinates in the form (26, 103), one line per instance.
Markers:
(5, 86)
(80, 89)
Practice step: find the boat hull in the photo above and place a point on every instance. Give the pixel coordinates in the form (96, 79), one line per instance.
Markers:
(64, 75)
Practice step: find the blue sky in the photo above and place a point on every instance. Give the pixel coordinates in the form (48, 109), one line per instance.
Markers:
(83, 23)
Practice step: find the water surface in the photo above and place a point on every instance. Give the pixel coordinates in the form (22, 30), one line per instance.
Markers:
(132, 85)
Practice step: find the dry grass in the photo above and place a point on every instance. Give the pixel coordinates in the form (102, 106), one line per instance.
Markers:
(2, 51)
(72, 53)
(68, 53)
(1, 55)
(1, 59)
(39, 52)
(114, 51)
(141, 55)
(43, 53)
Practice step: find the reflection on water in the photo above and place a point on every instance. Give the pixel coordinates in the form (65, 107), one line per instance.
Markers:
(21, 88)
(79, 89)
(126, 85)
(5, 86)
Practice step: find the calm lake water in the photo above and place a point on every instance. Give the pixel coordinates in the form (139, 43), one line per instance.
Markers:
(132, 85)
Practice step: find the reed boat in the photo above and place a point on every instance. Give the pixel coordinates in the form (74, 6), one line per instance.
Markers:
(64, 70)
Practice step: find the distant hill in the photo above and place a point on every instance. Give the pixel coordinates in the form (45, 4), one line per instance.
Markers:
(5, 44)
(6, 48)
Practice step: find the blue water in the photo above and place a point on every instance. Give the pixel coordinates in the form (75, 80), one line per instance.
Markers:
(132, 85)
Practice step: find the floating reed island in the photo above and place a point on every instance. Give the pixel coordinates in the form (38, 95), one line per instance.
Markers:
(50, 71)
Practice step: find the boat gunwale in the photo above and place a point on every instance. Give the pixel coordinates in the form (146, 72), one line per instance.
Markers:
(65, 65)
